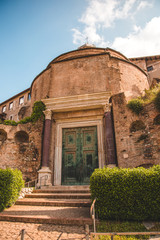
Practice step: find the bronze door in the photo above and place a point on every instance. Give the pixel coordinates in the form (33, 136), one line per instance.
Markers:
(79, 155)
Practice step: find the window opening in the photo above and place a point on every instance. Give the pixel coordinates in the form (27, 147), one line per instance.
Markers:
(4, 109)
(21, 100)
(29, 96)
(150, 68)
(10, 105)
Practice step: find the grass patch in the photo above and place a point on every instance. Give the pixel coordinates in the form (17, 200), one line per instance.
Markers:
(125, 226)
(135, 105)
(152, 95)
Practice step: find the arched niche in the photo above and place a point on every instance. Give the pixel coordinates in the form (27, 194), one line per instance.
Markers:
(21, 137)
(156, 120)
(137, 126)
(3, 135)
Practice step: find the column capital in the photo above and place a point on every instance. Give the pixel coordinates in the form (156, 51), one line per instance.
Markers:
(48, 114)
(107, 107)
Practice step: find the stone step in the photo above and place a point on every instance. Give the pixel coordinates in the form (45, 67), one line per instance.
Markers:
(61, 191)
(65, 187)
(60, 195)
(53, 202)
(47, 214)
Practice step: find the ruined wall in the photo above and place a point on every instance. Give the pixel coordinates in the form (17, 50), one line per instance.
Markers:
(16, 109)
(135, 147)
(20, 147)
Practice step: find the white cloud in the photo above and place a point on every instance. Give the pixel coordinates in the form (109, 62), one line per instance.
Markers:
(142, 42)
(98, 15)
(78, 37)
(144, 4)
(101, 14)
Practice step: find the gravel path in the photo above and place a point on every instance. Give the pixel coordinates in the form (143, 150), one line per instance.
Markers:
(11, 230)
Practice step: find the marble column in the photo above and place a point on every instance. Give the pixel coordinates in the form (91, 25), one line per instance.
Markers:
(44, 174)
(109, 137)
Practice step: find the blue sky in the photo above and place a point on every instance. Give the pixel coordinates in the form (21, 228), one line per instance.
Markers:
(33, 32)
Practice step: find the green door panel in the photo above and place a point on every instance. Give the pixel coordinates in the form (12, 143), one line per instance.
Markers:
(79, 154)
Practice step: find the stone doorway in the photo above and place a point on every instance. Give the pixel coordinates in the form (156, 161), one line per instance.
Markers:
(96, 123)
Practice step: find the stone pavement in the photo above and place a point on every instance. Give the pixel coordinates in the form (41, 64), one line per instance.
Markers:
(11, 230)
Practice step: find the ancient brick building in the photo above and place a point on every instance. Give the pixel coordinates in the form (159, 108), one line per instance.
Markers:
(87, 124)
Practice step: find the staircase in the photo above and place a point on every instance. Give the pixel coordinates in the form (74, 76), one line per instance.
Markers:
(60, 205)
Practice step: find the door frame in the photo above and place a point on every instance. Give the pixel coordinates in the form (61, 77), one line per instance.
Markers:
(58, 145)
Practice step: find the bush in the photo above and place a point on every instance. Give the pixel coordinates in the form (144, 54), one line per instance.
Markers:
(157, 101)
(136, 105)
(10, 122)
(25, 120)
(37, 111)
(127, 194)
(11, 182)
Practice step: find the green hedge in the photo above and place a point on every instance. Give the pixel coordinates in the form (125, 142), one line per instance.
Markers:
(11, 182)
(127, 194)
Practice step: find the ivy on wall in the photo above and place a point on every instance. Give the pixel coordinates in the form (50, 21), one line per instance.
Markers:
(37, 113)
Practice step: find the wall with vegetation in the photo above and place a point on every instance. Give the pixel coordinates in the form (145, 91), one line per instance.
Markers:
(137, 129)
(21, 143)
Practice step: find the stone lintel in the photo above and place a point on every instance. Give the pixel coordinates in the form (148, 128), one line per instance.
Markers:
(78, 102)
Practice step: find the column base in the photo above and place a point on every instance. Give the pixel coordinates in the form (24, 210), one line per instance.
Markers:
(44, 177)
(111, 165)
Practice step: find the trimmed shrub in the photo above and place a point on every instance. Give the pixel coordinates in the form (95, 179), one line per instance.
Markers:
(136, 105)
(11, 182)
(127, 194)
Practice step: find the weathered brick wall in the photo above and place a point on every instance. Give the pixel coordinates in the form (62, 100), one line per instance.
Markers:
(137, 148)
(133, 81)
(89, 74)
(24, 154)
(41, 86)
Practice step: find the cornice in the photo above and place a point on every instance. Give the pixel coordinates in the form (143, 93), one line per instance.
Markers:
(78, 102)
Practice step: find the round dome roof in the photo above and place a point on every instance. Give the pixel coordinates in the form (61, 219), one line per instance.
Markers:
(88, 50)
